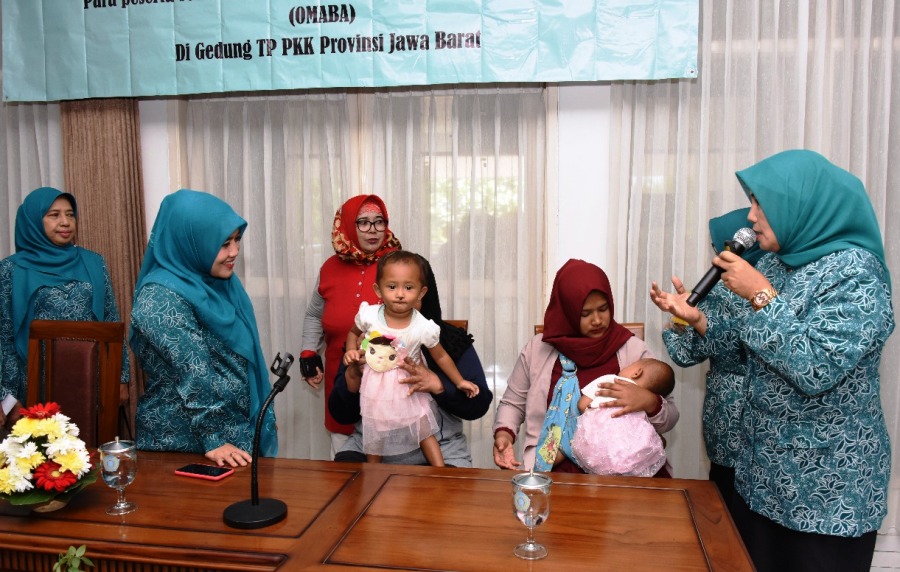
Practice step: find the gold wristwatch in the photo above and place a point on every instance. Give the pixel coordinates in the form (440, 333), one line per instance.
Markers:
(761, 298)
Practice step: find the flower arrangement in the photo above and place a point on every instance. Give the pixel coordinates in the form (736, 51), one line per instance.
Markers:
(43, 459)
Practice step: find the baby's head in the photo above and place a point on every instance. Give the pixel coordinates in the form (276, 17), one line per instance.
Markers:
(380, 354)
(651, 374)
(415, 262)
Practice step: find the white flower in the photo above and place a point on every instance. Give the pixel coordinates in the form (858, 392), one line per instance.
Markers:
(27, 450)
(63, 445)
(23, 483)
(66, 426)
(12, 444)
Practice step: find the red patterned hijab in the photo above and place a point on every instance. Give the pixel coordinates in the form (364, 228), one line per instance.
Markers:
(344, 238)
(562, 320)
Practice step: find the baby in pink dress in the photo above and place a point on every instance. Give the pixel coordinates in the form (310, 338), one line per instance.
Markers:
(396, 420)
(627, 444)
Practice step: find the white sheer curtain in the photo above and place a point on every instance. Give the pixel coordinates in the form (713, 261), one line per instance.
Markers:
(461, 172)
(775, 74)
(30, 157)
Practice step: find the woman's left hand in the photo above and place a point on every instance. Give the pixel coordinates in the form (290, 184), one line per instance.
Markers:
(230, 454)
(740, 276)
(629, 396)
(421, 379)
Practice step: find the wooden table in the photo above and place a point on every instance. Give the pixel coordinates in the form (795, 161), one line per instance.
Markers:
(352, 517)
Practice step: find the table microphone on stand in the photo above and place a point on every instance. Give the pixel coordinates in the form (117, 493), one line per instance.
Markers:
(256, 512)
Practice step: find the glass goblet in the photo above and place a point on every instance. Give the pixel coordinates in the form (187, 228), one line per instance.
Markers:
(118, 464)
(531, 504)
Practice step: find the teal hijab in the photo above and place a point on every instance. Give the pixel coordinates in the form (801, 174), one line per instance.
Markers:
(722, 228)
(38, 263)
(813, 206)
(188, 233)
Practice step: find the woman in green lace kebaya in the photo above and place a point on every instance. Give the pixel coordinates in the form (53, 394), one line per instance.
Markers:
(48, 278)
(726, 387)
(194, 333)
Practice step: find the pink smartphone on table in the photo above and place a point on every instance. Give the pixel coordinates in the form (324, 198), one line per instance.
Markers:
(201, 471)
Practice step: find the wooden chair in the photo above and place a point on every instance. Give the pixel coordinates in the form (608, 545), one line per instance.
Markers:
(79, 366)
(636, 328)
(464, 324)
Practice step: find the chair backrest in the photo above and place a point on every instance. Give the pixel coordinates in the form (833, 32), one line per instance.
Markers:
(636, 328)
(464, 324)
(79, 366)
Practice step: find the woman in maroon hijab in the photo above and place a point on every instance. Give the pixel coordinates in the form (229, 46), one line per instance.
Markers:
(581, 341)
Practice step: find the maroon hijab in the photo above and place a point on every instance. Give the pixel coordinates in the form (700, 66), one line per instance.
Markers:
(562, 322)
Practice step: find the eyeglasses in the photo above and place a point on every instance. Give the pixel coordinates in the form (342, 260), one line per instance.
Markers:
(365, 225)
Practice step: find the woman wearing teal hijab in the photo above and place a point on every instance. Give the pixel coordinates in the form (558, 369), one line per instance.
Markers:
(726, 387)
(194, 332)
(814, 467)
(48, 278)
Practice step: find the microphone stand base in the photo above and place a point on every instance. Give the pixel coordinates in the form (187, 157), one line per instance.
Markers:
(245, 514)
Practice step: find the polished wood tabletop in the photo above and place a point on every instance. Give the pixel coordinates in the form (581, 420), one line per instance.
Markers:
(353, 517)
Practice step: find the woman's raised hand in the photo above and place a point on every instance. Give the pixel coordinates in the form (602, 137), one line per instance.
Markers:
(674, 303)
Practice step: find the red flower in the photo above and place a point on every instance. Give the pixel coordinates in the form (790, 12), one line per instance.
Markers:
(49, 477)
(41, 411)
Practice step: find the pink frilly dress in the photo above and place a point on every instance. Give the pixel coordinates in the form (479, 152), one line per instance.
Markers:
(394, 422)
(628, 445)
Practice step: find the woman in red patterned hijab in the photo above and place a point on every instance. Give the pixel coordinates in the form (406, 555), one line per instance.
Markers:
(360, 237)
(355, 245)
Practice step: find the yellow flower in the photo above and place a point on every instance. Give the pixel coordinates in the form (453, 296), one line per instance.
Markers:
(50, 428)
(26, 463)
(72, 461)
(7, 483)
(25, 426)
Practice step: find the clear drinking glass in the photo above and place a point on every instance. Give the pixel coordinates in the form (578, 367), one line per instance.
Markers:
(531, 504)
(118, 466)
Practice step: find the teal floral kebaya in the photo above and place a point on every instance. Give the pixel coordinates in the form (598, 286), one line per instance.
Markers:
(197, 395)
(48, 278)
(816, 456)
(193, 330)
(726, 388)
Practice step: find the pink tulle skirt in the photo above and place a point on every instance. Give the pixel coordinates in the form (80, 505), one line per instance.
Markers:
(626, 445)
(392, 421)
